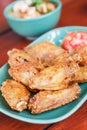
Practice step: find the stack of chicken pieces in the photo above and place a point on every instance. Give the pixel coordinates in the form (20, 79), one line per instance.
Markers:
(47, 70)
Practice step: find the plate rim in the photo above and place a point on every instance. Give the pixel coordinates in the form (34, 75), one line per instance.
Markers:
(55, 29)
(41, 121)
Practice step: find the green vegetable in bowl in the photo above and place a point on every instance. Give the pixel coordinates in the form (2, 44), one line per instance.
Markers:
(44, 7)
(37, 2)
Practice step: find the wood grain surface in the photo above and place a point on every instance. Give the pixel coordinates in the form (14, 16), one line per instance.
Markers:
(74, 12)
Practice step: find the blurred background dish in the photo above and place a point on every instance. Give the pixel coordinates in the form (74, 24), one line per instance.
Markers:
(33, 27)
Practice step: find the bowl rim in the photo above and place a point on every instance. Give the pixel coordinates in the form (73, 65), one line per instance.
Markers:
(7, 16)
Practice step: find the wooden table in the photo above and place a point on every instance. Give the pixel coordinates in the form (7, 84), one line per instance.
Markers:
(74, 12)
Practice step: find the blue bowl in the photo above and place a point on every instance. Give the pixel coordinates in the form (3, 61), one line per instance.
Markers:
(36, 26)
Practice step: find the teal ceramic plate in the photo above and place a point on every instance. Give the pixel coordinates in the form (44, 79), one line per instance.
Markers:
(58, 114)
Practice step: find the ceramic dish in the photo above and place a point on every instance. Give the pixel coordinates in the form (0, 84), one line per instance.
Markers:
(34, 27)
(51, 116)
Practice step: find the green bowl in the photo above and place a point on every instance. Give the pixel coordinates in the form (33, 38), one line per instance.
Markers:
(34, 27)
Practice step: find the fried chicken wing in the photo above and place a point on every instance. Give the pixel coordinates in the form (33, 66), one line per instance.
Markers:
(66, 60)
(44, 51)
(51, 78)
(48, 100)
(23, 72)
(15, 94)
(80, 55)
(81, 75)
(17, 56)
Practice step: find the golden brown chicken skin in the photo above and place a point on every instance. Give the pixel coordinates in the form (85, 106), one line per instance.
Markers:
(80, 55)
(17, 56)
(67, 61)
(23, 72)
(44, 51)
(81, 75)
(48, 100)
(60, 72)
(51, 78)
(15, 94)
